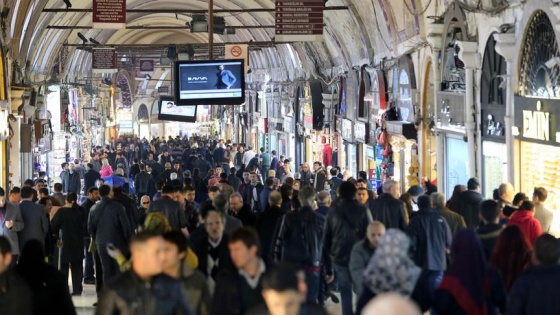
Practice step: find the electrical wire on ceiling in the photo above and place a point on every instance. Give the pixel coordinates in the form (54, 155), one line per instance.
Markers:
(415, 12)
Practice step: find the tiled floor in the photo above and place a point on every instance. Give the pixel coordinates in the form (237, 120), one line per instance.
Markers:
(84, 303)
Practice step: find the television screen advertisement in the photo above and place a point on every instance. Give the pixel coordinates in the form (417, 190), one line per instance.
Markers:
(168, 110)
(219, 82)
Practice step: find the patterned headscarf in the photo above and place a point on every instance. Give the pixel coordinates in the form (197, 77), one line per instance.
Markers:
(390, 269)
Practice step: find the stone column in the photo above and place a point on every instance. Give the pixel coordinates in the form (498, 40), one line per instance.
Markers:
(468, 53)
(435, 39)
(505, 46)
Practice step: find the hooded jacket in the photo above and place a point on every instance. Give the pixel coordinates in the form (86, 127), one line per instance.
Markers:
(528, 224)
(196, 290)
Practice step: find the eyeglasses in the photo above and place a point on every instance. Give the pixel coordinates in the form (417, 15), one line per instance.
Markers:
(145, 203)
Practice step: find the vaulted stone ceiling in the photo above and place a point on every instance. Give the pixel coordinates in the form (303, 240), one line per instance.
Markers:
(353, 37)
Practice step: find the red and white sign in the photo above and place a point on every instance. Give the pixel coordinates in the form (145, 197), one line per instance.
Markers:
(104, 60)
(299, 20)
(238, 52)
(109, 14)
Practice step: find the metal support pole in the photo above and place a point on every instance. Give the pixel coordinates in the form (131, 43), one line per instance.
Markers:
(210, 29)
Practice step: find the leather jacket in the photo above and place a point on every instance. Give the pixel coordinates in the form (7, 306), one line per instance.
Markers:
(346, 225)
(299, 238)
(130, 295)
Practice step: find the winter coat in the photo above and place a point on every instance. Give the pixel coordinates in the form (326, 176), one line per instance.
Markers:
(429, 237)
(299, 238)
(266, 223)
(201, 249)
(535, 292)
(228, 298)
(488, 234)
(528, 224)
(468, 203)
(389, 211)
(172, 210)
(71, 220)
(13, 213)
(108, 224)
(36, 224)
(74, 183)
(245, 215)
(345, 225)
(130, 295)
(142, 182)
(90, 178)
(14, 294)
(196, 290)
(359, 259)
(453, 219)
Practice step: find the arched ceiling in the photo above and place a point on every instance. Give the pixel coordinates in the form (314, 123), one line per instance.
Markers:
(352, 36)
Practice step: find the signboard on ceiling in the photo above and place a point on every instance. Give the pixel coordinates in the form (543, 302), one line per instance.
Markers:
(146, 65)
(299, 20)
(104, 60)
(109, 14)
(238, 52)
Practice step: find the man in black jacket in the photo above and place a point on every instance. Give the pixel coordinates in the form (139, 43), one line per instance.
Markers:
(143, 182)
(170, 208)
(89, 271)
(14, 291)
(239, 290)
(90, 177)
(469, 203)
(430, 240)
(388, 209)
(71, 220)
(144, 289)
(238, 209)
(346, 224)
(74, 180)
(108, 224)
(299, 240)
(266, 223)
(319, 176)
(252, 192)
(129, 205)
(212, 249)
(490, 229)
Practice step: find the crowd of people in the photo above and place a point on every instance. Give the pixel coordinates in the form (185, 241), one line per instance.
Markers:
(203, 226)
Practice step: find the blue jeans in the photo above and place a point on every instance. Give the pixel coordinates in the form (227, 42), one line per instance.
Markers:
(345, 288)
(434, 280)
(312, 280)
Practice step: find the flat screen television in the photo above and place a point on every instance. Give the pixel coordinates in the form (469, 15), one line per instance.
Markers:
(212, 82)
(168, 110)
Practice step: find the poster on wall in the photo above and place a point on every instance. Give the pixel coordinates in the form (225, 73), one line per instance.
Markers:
(104, 60)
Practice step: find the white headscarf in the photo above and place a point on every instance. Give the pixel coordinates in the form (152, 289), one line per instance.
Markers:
(390, 269)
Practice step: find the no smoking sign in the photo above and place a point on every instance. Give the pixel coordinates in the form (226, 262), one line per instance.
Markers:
(236, 51)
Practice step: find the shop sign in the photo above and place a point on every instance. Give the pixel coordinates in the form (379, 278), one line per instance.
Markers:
(308, 122)
(347, 131)
(338, 124)
(406, 88)
(378, 93)
(146, 65)
(535, 120)
(289, 124)
(361, 131)
(370, 152)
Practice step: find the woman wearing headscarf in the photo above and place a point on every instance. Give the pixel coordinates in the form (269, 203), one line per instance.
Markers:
(391, 270)
(469, 285)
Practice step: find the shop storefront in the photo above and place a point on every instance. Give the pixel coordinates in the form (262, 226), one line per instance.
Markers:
(361, 135)
(492, 113)
(451, 110)
(537, 108)
(348, 147)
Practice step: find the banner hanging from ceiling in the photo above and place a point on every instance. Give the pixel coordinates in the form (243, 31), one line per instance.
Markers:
(299, 20)
(109, 14)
